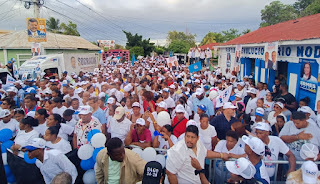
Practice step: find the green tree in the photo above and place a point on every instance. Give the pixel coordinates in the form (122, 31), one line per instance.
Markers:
(277, 12)
(70, 29)
(159, 49)
(208, 38)
(246, 31)
(312, 8)
(53, 25)
(181, 36)
(117, 46)
(138, 51)
(301, 5)
(219, 37)
(179, 46)
(136, 40)
(230, 34)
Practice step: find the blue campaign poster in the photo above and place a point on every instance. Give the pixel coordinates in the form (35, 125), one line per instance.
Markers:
(309, 80)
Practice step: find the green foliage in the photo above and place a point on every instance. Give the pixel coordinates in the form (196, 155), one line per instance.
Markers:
(181, 36)
(230, 34)
(70, 29)
(138, 51)
(246, 31)
(136, 40)
(312, 8)
(219, 38)
(301, 5)
(209, 38)
(179, 46)
(277, 12)
(159, 50)
(53, 25)
(117, 46)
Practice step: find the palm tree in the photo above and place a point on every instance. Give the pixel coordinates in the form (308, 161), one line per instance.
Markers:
(209, 38)
(53, 25)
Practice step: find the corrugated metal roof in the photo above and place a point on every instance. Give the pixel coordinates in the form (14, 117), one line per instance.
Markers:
(299, 29)
(19, 40)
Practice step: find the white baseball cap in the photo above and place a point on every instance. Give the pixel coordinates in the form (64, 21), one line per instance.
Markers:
(259, 111)
(31, 114)
(309, 172)
(252, 90)
(119, 112)
(180, 108)
(162, 105)
(102, 94)
(141, 121)
(197, 81)
(165, 90)
(136, 104)
(262, 126)
(110, 100)
(255, 144)
(36, 143)
(4, 113)
(199, 91)
(241, 83)
(12, 89)
(305, 109)
(78, 90)
(229, 105)
(85, 110)
(242, 167)
(280, 104)
(309, 150)
(192, 122)
(172, 86)
(239, 95)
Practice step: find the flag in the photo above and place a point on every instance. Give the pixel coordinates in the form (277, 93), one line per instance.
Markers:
(171, 53)
(223, 97)
(195, 67)
(10, 80)
(133, 58)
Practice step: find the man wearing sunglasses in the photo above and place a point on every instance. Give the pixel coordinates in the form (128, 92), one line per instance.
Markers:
(50, 162)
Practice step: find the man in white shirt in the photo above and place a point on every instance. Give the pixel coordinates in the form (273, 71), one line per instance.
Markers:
(252, 102)
(208, 56)
(241, 89)
(274, 146)
(120, 125)
(59, 108)
(166, 98)
(178, 163)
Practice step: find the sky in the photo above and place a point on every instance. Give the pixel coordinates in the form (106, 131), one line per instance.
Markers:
(105, 19)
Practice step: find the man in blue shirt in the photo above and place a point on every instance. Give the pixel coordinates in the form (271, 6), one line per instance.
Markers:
(202, 100)
(97, 112)
(255, 148)
(222, 123)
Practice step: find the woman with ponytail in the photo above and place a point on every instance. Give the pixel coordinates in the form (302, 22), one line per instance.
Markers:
(57, 121)
(41, 115)
(56, 142)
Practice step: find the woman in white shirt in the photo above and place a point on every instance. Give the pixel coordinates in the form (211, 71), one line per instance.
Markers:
(208, 134)
(56, 120)
(268, 105)
(41, 115)
(167, 140)
(277, 110)
(26, 133)
(56, 142)
(69, 118)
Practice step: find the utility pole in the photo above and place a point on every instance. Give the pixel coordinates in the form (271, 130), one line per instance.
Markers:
(36, 6)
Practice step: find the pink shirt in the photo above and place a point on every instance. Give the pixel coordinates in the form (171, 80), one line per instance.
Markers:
(144, 137)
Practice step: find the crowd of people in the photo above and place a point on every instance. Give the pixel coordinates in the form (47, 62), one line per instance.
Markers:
(252, 125)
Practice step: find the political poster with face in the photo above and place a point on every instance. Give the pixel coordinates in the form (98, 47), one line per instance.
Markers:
(270, 55)
(172, 62)
(36, 49)
(36, 30)
(237, 57)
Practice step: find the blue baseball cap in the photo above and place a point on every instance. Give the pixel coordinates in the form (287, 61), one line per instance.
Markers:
(206, 87)
(202, 107)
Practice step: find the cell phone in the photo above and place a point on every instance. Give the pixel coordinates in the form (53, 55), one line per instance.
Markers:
(148, 108)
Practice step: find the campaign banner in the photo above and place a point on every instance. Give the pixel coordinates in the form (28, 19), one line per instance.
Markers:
(228, 63)
(36, 30)
(223, 97)
(36, 49)
(10, 80)
(106, 43)
(172, 62)
(195, 67)
(270, 55)
(215, 53)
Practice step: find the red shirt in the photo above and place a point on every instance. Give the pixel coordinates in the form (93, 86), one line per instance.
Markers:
(34, 109)
(144, 137)
(146, 105)
(180, 128)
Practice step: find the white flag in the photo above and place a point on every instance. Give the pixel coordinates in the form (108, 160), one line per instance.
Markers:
(223, 96)
(10, 80)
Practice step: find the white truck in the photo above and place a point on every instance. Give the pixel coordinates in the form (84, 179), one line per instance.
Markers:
(58, 63)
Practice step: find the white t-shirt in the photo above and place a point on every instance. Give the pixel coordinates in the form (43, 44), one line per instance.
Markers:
(170, 102)
(290, 129)
(65, 131)
(273, 120)
(251, 105)
(276, 146)
(59, 111)
(119, 130)
(23, 138)
(165, 144)
(41, 128)
(72, 122)
(238, 149)
(63, 146)
(206, 136)
(13, 125)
